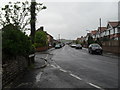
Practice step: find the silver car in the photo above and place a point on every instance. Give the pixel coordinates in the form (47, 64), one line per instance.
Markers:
(95, 48)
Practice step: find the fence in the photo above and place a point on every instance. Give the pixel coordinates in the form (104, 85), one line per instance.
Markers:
(111, 46)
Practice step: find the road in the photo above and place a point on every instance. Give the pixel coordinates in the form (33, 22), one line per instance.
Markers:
(73, 68)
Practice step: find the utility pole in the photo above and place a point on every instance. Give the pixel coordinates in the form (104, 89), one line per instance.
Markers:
(100, 27)
(33, 20)
(59, 37)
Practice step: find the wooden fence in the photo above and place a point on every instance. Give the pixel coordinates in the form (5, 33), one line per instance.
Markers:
(111, 46)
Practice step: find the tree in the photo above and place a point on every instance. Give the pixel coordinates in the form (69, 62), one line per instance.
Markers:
(90, 40)
(40, 39)
(18, 14)
(77, 42)
(98, 41)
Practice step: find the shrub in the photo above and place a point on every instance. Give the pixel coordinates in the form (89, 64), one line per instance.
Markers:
(40, 39)
(15, 42)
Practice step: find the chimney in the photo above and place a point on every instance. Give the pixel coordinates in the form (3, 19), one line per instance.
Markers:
(42, 28)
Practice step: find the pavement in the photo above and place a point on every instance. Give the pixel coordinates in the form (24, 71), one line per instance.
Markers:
(40, 60)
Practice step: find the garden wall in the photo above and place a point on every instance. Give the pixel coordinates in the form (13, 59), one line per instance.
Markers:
(39, 49)
(12, 69)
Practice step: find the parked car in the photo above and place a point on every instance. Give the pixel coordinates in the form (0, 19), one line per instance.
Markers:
(57, 46)
(73, 45)
(95, 48)
(78, 46)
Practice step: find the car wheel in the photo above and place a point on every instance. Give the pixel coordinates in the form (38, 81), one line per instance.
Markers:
(91, 52)
(101, 53)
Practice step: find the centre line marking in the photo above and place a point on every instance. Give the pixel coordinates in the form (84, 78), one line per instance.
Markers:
(95, 86)
(62, 70)
(76, 76)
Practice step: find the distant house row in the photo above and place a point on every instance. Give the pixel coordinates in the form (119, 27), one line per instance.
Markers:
(110, 32)
(108, 37)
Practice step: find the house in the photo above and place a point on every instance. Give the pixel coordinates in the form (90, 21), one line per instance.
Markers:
(49, 37)
(113, 30)
(86, 37)
(102, 31)
(94, 34)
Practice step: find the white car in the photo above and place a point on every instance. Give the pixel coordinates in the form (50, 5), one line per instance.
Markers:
(73, 45)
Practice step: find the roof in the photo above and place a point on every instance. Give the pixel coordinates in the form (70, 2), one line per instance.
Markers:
(114, 24)
(78, 38)
(94, 32)
(49, 34)
(102, 29)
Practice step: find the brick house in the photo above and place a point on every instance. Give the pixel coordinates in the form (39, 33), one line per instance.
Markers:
(49, 37)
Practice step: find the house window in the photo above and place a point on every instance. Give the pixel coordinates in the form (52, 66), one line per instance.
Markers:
(116, 30)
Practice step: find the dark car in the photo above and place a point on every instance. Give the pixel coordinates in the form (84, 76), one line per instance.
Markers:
(78, 46)
(57, 46)
(95, 48)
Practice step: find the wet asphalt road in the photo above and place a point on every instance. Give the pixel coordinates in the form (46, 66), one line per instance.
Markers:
(73, 68)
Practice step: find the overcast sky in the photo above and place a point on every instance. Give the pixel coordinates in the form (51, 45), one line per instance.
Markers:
(72, 19)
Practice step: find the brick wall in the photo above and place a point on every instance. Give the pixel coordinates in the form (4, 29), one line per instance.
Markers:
(13, 68)
(43, 48)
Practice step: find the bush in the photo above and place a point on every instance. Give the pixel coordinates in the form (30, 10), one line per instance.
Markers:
(15, 42)
(40, 39)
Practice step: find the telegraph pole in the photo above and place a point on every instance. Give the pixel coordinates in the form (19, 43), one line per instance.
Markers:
(100, 27)
(33, 20)
(59, 37)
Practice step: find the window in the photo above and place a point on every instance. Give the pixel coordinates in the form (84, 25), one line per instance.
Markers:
(116, 30)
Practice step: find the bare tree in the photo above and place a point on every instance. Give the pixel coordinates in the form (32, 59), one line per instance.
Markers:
(18, 13)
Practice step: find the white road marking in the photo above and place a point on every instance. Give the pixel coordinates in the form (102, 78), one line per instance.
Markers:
(95, 86)
(38, 77)
(76, 76)
(54, 66)
(62, 70)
